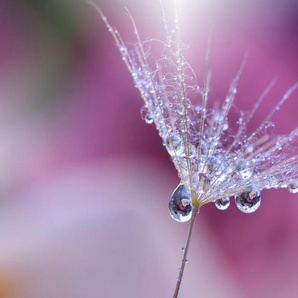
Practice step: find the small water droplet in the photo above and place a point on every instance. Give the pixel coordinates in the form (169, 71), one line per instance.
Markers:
(249, 149)
(148, 119)
(180, 206)
(248, 201)
(175, 145)
(203, 184)
(223, 203)
(293, 187)
(180, 109)
(146, 115)
(123, 49)
(225, 126)
(244, 169)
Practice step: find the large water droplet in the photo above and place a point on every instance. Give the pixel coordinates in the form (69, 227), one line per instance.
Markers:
(293, 187)
(180, 206)
(248, 201)
(223, 203)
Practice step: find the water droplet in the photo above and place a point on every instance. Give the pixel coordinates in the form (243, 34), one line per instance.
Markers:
(225, 126)
(293, 187)
(248, 201)
(175, 145)
(203, 184)
(180, 109)
(249, 149)
(180, 206)
(146, 115)
(123, 49)
(244, 169)
(223, 203)
(148, 119)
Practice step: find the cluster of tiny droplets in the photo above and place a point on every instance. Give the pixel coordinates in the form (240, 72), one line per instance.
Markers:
(214, 161)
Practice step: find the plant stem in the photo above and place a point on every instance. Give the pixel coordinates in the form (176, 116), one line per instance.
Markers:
(184, 259)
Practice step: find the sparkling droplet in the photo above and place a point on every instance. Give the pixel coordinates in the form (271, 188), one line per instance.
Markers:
(225, 126)
(180, 206)
(180, 109)
(146, 115)
(223, 203)
(216, 169)
(293, 187)
(148, 119)
(248, 201)
(175, 145)
(203, 184)
(244, 169)
(249, 149)
(123, 50)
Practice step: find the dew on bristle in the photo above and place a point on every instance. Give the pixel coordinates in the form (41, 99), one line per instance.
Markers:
(146, 116)
(222, 204)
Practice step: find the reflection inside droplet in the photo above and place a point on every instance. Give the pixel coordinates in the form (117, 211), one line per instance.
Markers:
(223, 203)
(248, 201)
(180, 206)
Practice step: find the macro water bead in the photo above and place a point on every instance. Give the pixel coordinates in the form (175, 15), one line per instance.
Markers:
(223, 203)
(293, 187)
(248, 201)
(180, 206)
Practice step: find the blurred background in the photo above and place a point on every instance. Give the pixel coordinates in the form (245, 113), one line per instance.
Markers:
(85, 183)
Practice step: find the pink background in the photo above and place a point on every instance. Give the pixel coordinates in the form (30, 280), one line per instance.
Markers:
(85, 183)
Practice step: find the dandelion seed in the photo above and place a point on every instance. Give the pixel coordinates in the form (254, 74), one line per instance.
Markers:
(214, 162)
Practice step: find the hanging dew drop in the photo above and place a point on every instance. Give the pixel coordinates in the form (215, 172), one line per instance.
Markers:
(180, 206)
(293, 187)
(148, 119)
(223, 203)
(146, 115)
(248, 201)
(244, 169)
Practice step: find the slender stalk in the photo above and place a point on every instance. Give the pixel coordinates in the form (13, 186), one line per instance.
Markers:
(184, 259)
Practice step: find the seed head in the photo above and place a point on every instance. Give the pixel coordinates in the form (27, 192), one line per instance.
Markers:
(214, 160)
